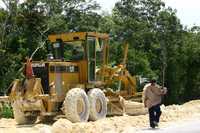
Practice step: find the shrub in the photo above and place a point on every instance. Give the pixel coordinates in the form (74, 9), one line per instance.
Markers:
(6, 111)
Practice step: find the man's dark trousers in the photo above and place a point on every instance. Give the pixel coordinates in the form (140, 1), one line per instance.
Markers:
(154, 115)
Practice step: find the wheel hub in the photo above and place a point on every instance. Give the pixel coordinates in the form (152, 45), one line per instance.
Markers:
(98, 105)
(80, 106)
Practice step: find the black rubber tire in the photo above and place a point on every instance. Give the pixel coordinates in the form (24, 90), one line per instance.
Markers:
(94, 95)
(70, 107)
(19, 115)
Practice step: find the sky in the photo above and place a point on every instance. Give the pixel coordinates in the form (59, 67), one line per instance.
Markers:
(187, 10)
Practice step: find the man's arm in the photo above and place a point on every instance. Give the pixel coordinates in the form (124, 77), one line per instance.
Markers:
(159, 90)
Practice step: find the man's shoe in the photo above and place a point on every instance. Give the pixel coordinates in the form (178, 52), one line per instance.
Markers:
(153, 127)
(155, 123)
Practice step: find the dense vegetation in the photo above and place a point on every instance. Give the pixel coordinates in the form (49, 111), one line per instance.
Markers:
(158, 41)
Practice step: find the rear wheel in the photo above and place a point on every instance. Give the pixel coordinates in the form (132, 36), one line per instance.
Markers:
(76, 105)
(19, 115)
(98, 104)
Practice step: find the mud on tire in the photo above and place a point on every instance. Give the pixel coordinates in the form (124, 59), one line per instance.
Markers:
(19, 115)
(98, 104)
(76, 105)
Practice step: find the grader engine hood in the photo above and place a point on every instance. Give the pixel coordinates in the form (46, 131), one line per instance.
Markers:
(59, 75)
(63, 76)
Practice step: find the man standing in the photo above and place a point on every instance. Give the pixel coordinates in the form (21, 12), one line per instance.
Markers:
(152, 96)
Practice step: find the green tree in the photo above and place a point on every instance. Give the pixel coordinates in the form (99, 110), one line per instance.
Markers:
(25, 26)
(190, 62)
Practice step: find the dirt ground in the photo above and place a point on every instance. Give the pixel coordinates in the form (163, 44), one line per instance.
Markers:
(117, 124)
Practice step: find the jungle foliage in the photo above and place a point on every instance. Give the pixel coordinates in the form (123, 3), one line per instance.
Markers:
(157, 40)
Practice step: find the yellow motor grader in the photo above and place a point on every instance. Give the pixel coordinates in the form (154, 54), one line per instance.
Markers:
(75, 80)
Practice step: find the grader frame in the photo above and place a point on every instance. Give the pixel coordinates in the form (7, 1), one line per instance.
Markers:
(52, 85)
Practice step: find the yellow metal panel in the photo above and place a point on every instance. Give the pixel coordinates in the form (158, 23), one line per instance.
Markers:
(99, 35)
(67, 37)
(62, 63)
(65, 79)
(53, 38)
(72, 78)
(83, 71)
(73, 36)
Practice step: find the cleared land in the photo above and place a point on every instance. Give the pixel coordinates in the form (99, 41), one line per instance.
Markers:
(117, 124)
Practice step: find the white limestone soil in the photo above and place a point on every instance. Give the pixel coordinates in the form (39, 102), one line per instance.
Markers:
(117, 124)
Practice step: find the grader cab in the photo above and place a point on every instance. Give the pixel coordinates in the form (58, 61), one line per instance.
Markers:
(75, 80)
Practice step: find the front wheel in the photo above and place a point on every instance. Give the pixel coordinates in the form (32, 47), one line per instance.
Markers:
(76, 105)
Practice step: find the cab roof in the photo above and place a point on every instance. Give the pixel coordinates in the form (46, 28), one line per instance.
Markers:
(76, 36)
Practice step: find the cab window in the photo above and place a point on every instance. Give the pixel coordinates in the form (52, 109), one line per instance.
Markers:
(73, 51)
